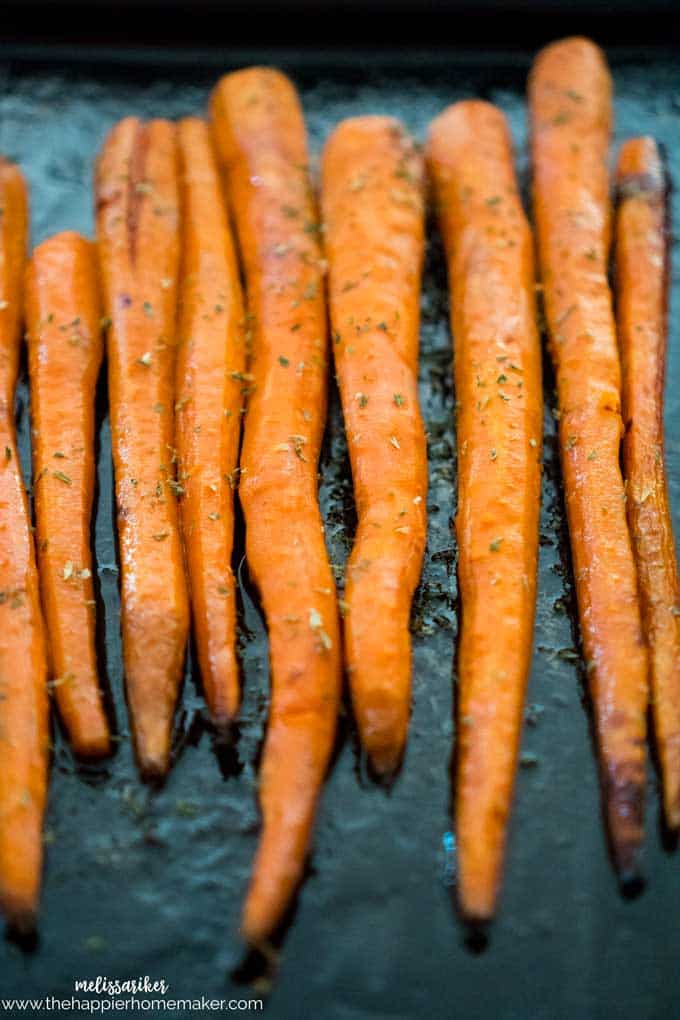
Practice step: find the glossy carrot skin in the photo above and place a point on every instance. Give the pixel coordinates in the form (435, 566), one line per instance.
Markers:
(642, 271)
(570, 104)
(24, 703)
(372, 198)
(259, 130)
(498, 387)
(210, 368)
(63, 317)
(138, 235)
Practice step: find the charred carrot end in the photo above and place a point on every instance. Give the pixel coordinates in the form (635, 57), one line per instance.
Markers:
(260, 136)
(24, 706)
(137, 192)
(372, 197)
(497, 360)
(570, 106)
(63, 318)
(210, 374)
(640, 173)
(642, 269)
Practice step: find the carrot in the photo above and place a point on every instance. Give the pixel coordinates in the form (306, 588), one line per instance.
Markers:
(570, 102)
(24, 705)
(65, 352)
(642, 272)
(373, 217)
(210, 367)
(260, 134)
(497, 359)
(138, 234)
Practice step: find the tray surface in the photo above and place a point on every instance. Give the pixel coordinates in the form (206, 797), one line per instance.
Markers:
(151, 882)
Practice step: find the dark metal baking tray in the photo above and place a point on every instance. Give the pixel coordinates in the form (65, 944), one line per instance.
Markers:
(139, 881)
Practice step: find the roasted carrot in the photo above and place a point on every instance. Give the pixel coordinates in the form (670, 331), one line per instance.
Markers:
(63, 318)
(570, 102)
(642, 272)
(497, 359)
(24, 704)
(138, 234)
(210, 368)
(372, 196)
(259, 129)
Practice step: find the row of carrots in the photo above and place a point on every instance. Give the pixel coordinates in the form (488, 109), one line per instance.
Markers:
(190, 356)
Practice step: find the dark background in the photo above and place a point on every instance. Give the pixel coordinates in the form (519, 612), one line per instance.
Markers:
(151, 882)
(328, 24)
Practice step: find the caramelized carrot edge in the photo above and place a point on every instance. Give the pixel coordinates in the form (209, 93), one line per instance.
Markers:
(497, 360)
(138, 233)
(570, 97)
(210, 382)
(24, 704)
(63, 319)
(372, 197)
(260, 136)
(642, 271)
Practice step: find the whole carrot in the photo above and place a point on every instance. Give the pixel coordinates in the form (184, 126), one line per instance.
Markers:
(24, 705)
(260, 134)
(210, 367)
(497, 360)
(65, 352)
(138, 235)
(570, 104)
(373, 217)
(642, 272)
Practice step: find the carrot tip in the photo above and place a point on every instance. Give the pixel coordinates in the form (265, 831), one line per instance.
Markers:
(477, 934)
(673, 818)
(21, 921)
(256, 933)
(631, 882)
(385, 762)
(153, 769)
(224, 722)
(259, 943)
(627, 859)
(476, 915)
(94, 749)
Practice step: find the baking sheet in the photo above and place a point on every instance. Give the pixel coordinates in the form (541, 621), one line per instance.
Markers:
(151, 882)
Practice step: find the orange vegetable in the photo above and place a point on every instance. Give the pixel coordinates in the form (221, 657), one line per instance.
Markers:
(570, 102)
(24, 704)
(260, 134)
(373, 217)
(65, 352)
(498, 387)
(210, 367)
(138, 234)
(642, 270)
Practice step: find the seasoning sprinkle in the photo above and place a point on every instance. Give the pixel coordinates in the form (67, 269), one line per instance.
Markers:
(316, 624)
